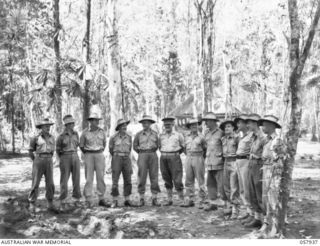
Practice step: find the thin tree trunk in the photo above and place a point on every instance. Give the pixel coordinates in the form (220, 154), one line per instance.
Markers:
(56, 45)
(296, 63)
(86, 47)
(113, 64)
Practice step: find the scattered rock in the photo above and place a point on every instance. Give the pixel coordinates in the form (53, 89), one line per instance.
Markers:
(119, 235)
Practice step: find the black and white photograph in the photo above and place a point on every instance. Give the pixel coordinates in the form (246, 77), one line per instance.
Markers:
(159, 119)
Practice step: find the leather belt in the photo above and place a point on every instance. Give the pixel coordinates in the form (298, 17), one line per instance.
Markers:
(122, 154)
(93, 151)
(69, 153)
(242, 157)
(170, 153)
(45, 155)
(146, 151)
(231, 158)
(195, 153)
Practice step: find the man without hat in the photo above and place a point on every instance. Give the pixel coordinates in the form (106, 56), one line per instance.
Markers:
(120, 146)
(273, 155)
(213, 161)
(171, 146)
(66, 148)
(92, 144)
(41, 151)
(255, 173)
(230, 142)
(146, 143)
(242, 163)
(195, 169)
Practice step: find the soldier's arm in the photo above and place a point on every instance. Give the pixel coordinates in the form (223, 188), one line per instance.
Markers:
(58, 145)
(136, 143)
(32, 147)
(182, 143)
(81, 144)
(157, 142)
(111, 145)
(104, 140)
(130, 147)
(204, 146)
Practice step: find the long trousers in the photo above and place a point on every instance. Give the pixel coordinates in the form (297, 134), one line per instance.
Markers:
(69, 164)
(42, 166)
(94, 163)
(121, 164)
(215, 184)
(231, 185)
(148, 163)
(255, 185)
(171, 171)
(243, 177)
(195, 169)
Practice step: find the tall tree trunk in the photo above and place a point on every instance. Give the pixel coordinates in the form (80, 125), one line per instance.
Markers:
(205, 12)
(56, 45)
(86, 48)
(296, 63)
(113, 64)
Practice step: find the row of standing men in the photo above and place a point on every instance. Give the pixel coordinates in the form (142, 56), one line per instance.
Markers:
(243, 164)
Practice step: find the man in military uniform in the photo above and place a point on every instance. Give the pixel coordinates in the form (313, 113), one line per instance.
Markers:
(195, 169)
(66, 148)
(92, 144)
(255, 173)
(273, 155)
(171, 146)
(41, 151)
(120, 145)
(242, 163)
(230, 177)
(213, 161)
(146, 143)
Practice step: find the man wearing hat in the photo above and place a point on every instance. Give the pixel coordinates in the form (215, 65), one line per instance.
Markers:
(255, 173)
(273, 155)
(242, 162)
(41, 151)
(146, 143)
(92, 144)
(66, 148)
(214, 160)
(230, 177)
(171, 146)
(195, 169)
(120, 145)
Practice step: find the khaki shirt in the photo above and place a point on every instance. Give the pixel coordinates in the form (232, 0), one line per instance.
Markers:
(146, 140)
(172, 142)
(244, 145)
(118, 143)
(230, 145)
(93, 140)
(67, 142)
(214, 160)
(273, 150)
(258, 141)
(195, 143)
(42, 145)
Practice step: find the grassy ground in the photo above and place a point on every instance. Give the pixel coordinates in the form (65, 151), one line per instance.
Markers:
(148, 221)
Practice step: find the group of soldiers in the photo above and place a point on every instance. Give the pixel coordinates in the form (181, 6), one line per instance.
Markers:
(243, 163)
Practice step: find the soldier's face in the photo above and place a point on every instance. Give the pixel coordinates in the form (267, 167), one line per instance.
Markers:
(168, 126)
(94, 122)
(241, 125)
(146, 124)
(70, 126)
(123, 128)
(268, 127)
(251, 125)
(228, 129)
(194, 128)
(211, 124)
(45, 128)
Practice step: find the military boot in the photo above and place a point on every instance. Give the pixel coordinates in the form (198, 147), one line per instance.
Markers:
(169, 201)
